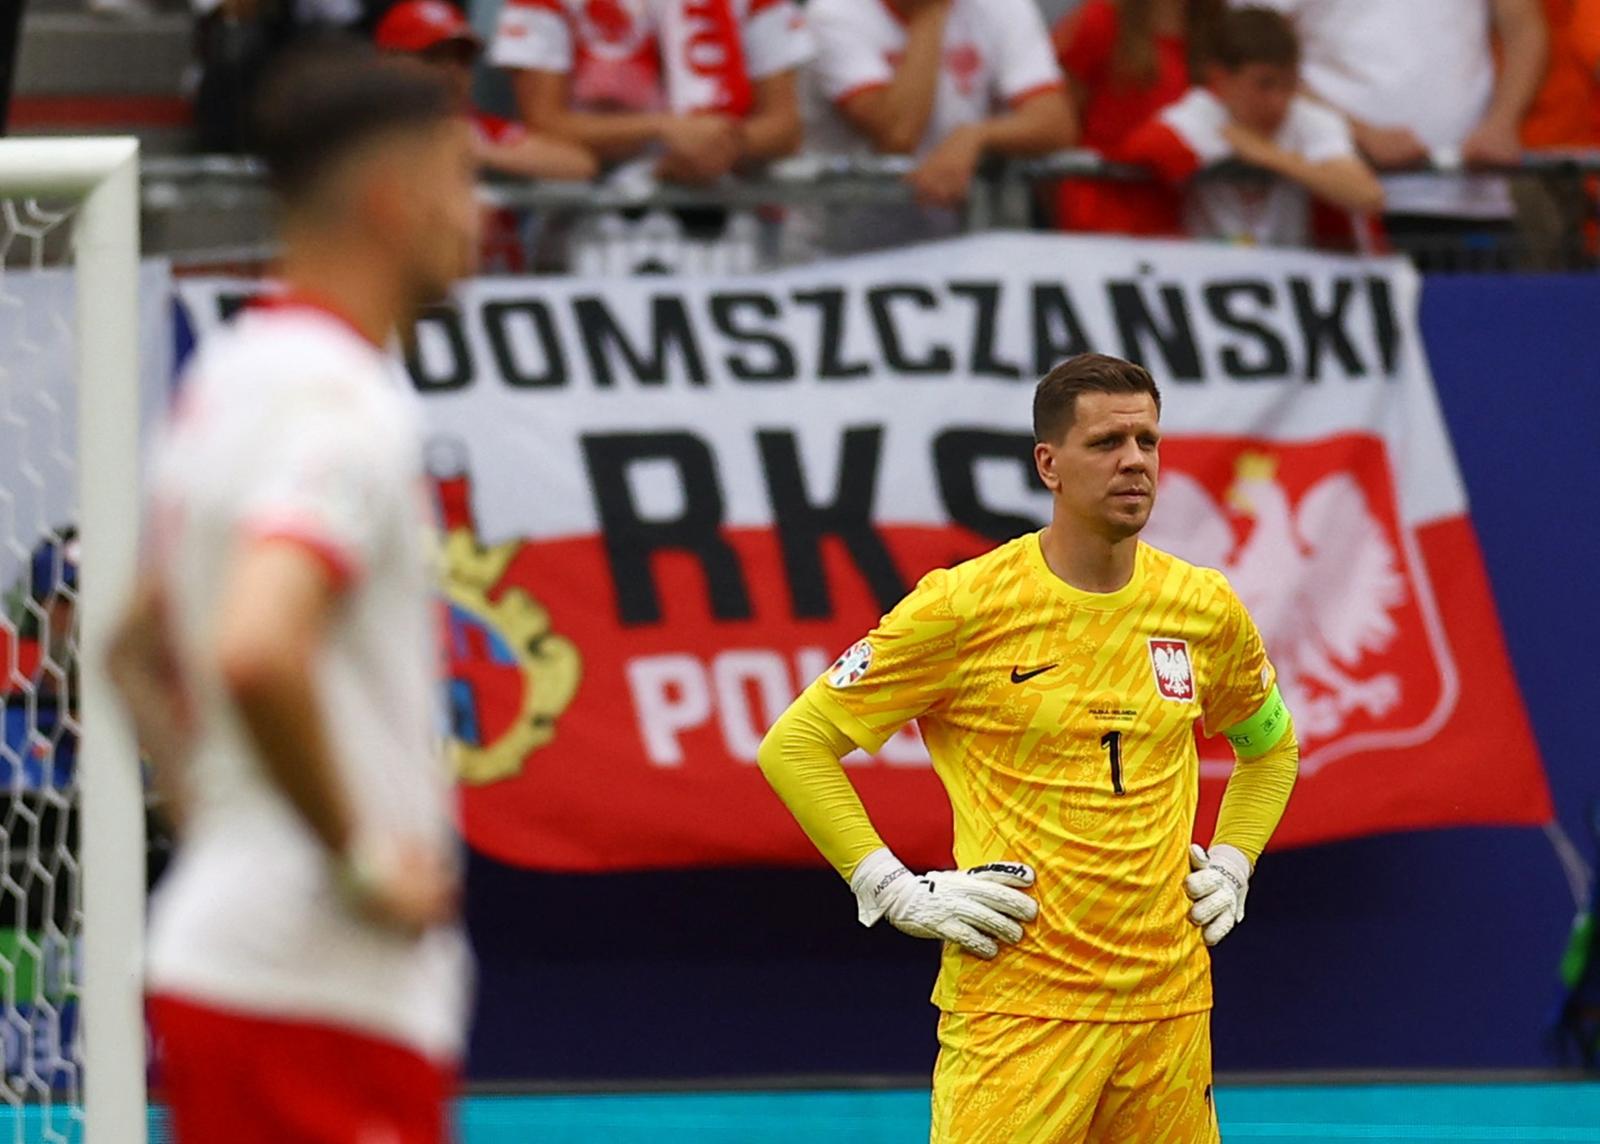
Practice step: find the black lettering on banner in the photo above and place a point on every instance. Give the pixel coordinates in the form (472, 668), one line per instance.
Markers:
(940, 361)
(1057, 333)
(497, 320)
(1173, 332)
(956, 453)
(671, 334)
(631, 540)
(1384, 322)
(725, 315)
(984, 361)
(831, 365)
(1320, 329)
(804, 524)
(1272, 356)
(440, 325)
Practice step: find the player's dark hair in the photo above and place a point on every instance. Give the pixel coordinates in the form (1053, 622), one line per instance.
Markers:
(1252, 35)
(326, 100)
(1055, 398)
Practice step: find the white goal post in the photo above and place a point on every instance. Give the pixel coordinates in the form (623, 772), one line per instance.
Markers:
(100, 177)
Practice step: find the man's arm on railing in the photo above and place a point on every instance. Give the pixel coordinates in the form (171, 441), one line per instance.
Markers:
(1343, 180)
(1036, 125)
(539, 157)
(773, 129)
(893, 113)
(1040, 124)
(705, 145)
(1524, 50)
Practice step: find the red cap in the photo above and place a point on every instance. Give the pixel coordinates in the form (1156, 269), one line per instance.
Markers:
(417, 25)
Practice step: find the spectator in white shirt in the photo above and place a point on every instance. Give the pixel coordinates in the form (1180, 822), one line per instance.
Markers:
(948, 81)
(437, 34)
(944, 81)
(1249, 111)
(1418, 79)
(711, 84)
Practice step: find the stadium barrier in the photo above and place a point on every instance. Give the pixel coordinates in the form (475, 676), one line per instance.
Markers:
(212, 211)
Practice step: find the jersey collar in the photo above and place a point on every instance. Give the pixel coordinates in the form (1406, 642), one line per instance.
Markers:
(1102, 601)
(303, 301)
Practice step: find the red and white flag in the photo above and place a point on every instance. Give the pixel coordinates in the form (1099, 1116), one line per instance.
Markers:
(670, 504)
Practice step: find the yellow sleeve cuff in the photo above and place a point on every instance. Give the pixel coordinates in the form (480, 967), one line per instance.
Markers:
(1258, 792)
(800, 759)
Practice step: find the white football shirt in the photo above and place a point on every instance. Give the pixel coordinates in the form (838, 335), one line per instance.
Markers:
(291, 425)
(996, 54)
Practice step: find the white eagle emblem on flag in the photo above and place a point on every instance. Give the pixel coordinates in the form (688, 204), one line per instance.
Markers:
(1174, 676)
(1320, 576)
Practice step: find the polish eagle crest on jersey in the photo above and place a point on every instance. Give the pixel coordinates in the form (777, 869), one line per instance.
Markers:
(1315, 552)
(1174, 675)
(510, 674)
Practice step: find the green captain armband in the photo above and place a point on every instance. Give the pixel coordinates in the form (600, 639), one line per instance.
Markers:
(1261, 732)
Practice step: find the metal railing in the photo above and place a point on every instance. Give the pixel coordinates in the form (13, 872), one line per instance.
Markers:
(210, 210)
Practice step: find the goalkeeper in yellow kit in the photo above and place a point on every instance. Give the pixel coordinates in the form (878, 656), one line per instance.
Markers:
(1057, 681)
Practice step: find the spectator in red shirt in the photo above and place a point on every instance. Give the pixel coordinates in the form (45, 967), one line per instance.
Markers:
(436, 32)
(1555, 214)
(1125, 60)
(1249, 111)
(1566, 111)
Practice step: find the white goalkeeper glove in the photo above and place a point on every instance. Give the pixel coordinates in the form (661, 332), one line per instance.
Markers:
(1217, 886)
(977, 908)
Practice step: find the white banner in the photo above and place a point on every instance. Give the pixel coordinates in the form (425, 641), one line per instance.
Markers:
(684, 495)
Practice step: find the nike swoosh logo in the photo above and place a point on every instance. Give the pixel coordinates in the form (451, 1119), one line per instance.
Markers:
(1024, 676)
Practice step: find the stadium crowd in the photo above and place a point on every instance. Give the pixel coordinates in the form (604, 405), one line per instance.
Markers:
(1341, 102)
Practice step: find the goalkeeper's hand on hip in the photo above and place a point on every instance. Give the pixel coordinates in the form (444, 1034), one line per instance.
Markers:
(1217, 886)
(977, 909)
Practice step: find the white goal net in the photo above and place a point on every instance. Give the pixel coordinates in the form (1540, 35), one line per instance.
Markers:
(71, 810)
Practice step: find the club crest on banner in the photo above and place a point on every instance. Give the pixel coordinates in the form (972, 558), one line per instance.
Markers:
(510, 675)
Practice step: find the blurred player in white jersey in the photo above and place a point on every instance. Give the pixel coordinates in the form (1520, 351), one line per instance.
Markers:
(308, 979)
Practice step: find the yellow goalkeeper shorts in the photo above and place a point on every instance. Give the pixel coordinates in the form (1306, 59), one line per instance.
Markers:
(1028, 1080)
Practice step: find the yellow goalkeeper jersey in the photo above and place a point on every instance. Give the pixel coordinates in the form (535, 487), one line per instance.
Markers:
(1061, 723)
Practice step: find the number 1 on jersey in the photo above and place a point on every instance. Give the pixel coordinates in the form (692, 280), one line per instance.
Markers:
(1112, 742)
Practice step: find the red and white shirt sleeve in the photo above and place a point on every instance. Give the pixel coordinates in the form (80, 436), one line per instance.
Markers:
(775, 38)
(1023, 62)
(1187, 136)
(325, 488)
(1182, 139)
(852, 55)
(534, 35)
